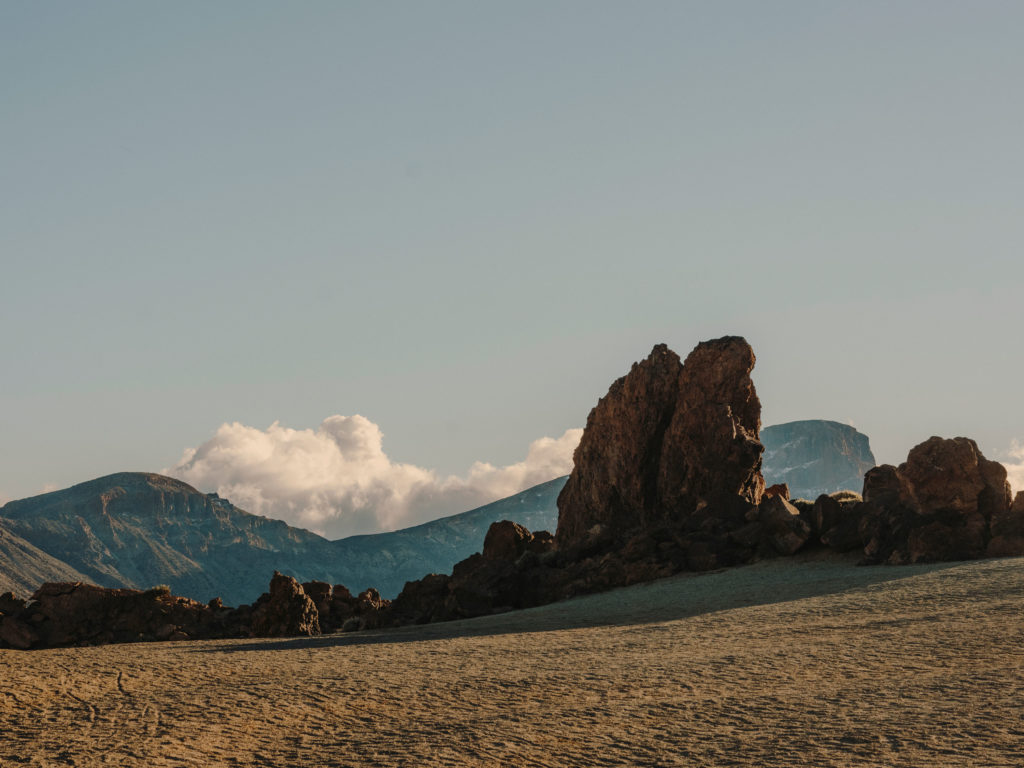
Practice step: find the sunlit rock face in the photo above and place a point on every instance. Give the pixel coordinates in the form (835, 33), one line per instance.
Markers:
(815, 456)
(671, 445)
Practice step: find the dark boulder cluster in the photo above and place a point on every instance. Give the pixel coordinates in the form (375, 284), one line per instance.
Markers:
(945, 502)
(76, 613)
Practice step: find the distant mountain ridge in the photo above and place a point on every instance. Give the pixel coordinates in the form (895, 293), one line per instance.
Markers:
(815, 456)
(135, 529)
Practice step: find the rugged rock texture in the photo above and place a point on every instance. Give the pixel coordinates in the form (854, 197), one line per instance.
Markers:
(835, 522)
(285, 611)
(1007, 528)
(670, 445)
(135, 529)
(73, 613)
(61, 614)
(665, 479)
(784, 530)
(940, 504)
(815, 457)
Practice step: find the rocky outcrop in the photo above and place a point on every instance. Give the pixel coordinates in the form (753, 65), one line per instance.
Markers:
(670, 446)
(666, 478)
(1007, 528)
(815, 457)
(284, 611)
(75, 613)
(940, 504)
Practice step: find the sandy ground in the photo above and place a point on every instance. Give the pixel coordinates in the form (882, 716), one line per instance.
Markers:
(815, 663)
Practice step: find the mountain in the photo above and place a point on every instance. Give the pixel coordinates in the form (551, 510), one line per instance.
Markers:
(388, 560)
(24, 567)
(136, 529)
(815, 457)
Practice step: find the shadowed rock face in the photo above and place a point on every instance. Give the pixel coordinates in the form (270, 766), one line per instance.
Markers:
(940, 504)
(668, 445)
(815, 457)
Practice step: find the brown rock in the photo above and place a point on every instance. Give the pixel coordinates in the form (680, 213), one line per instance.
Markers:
(779, 489)
(669, 444)
(1007, 530)
(782, 527)
(10, 605)
(953, 476)
(16, 633)
(940, 504)
(506, 540)
(285, 611)
(837, 523)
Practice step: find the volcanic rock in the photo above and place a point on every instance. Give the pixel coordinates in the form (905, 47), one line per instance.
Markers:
(836, 523)
(1007, 530)
(285, 611)
(669, 445)
(782, 527)
(938, 505)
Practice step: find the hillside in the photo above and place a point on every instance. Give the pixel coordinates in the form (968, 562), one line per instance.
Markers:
(135, 529)
(388, 560)
(23, 566)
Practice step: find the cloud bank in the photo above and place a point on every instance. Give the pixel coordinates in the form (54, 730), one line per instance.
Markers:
(338, 481)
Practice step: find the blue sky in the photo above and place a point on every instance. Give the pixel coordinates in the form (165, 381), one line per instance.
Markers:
(463, 220)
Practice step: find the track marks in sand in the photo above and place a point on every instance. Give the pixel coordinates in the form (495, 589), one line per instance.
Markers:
(755, 666)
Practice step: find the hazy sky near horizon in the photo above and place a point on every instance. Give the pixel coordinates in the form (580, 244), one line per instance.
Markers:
(463, 220)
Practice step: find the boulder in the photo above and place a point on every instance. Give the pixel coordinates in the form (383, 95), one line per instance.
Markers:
(16, 633)
(285, 611)
(506, 540)
(782, 527)
(670, 444)
(1007, 530)
(779, 489)
(837, 523)
(940, 504)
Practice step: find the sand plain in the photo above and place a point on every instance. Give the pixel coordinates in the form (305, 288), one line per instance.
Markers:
(800, 662)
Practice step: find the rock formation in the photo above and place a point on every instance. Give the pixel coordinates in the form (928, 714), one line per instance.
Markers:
(73, 613)
(285, 610)
(815, 457)
(940, 504)
(671, 445)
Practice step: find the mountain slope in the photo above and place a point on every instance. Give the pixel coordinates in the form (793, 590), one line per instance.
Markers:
(815, 457)
(24, 567)
(136, 529)
(388, 560)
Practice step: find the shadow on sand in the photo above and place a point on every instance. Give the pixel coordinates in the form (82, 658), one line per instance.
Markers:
(677, 597)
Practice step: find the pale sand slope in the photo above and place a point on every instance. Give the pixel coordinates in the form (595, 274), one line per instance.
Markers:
(777, 664)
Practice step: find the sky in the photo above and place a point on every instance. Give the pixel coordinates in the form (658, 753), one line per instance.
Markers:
(363, 263)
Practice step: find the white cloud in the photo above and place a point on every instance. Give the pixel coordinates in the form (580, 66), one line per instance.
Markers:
(337, 480)
(1015, 468)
